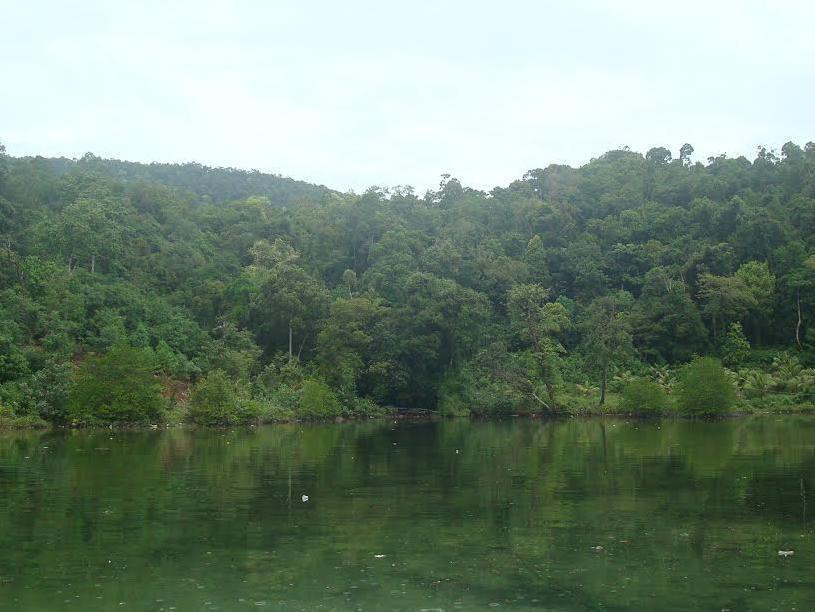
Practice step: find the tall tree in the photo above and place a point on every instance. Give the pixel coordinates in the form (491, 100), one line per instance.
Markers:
(286, 298)
(89, 230)
(726, 299)
(607, 335)
(344, 343)
(539, 322)
(802, 281)
(760, 282)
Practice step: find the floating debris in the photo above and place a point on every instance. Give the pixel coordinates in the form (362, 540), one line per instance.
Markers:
(379, 556)
(786, 553)
(305, 498)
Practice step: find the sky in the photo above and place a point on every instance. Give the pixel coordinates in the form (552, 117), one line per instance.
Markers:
(352, 94)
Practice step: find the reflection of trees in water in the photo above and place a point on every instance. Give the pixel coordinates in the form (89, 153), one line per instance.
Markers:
(460, 509)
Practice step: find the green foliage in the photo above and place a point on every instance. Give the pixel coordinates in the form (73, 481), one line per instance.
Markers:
(755, 383)
(643, 396)
(233, 351)
(726, 298)
(735, 349)
(704, 388)
(172, 363)
(11, 420)
(666, 323)
(539, 322)
(458, 300)
(50, 388)
(281, 371)
(791, 376)
(117, 387)
(213, 400)
(216, 400)
(760, 281)
(455, 393)
(287, 300)
(344, 343)
(317, 401)
(607, 335)
(495, 383)
(360, 407)
(286, 398)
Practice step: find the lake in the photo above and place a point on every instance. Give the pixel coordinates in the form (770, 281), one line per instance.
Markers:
(517, 514)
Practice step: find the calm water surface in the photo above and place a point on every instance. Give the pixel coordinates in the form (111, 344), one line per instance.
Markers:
(567, 515)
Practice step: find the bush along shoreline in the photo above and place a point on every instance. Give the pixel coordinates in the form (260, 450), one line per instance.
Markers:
(122, 389)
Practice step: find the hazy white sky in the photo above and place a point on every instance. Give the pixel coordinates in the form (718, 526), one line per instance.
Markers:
(357, 93)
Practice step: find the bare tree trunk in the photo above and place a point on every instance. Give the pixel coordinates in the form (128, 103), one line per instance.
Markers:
(300, 350)
(550, 391)
(291, 354)
(540, 401)
(798, 325)
(603, 382)
(93, 263)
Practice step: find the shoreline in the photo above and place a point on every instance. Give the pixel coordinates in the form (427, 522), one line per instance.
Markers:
(417, 416)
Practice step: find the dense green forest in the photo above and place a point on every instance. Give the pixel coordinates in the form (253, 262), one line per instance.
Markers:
(149, 293)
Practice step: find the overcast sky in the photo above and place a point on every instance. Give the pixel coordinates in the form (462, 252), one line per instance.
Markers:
(358, 93)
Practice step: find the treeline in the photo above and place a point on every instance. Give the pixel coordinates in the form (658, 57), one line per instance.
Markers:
(135, 292)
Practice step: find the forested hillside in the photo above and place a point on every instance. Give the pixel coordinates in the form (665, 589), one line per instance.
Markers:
(132, 292)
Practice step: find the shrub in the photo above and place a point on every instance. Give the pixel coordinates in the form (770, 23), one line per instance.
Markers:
(454, 393)
(644, 396)
(361, 407)
(317, 401)
(272, 411)
(704, 388)
(10, 420)
(117, 387)
(453, 406)
(248, 410)
(213, 401)
(15, 396)
(286, 398)
(50, 387)
(43, 394)
(172, 363)
(475, 389)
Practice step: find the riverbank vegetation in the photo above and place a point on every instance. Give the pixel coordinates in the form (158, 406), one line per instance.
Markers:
(133, 293)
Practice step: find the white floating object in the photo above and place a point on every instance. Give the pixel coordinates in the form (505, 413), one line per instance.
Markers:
(305, 498)
(379, 556)
(786, 553)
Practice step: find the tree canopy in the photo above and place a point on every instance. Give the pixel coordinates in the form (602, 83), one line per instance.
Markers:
(565, 276)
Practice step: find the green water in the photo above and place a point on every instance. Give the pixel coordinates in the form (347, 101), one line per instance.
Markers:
(571, 515)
